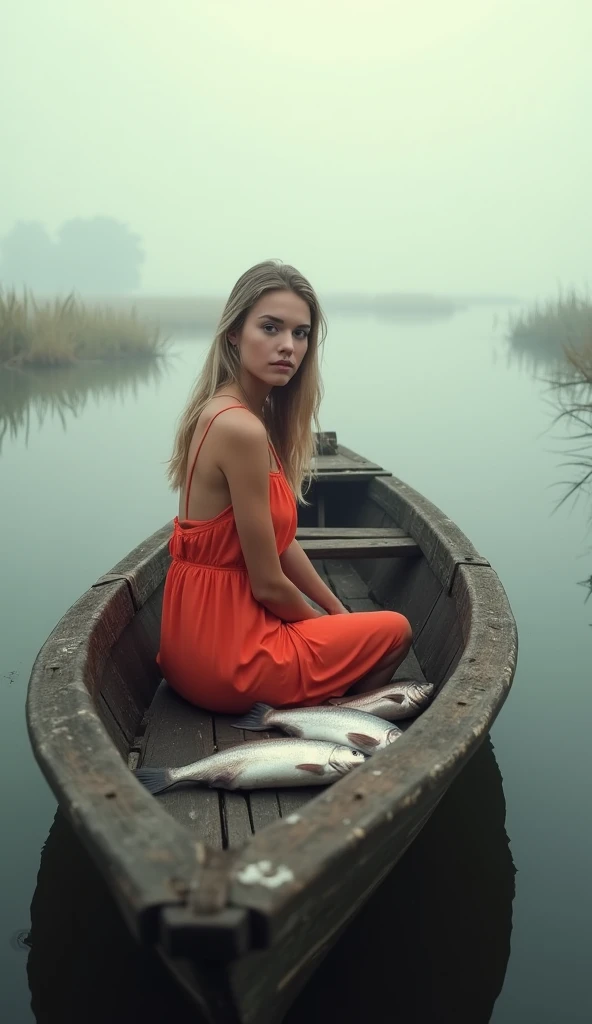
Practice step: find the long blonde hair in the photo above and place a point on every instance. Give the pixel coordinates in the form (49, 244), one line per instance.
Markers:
(291, 412)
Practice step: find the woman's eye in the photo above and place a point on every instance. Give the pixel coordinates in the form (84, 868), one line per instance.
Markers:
(268, 327)
(302, 335)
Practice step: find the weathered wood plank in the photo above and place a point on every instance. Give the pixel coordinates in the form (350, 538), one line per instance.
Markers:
(345, 581)
(350, 532)
(178, 733)
(291, 800)
(347, 476)
(113, 727)
(444, 545)
(133, 655)
(361, 547)
(408, 586)
(439, 642)
(115, 692)
(370, 516)
(354, 456)
(339, 462)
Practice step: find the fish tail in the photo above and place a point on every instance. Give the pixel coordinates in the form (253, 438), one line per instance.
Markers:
(254, 720)
(154, 779)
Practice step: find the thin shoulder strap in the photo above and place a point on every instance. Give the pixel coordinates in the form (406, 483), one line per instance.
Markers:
(276, 457)
(205, 434)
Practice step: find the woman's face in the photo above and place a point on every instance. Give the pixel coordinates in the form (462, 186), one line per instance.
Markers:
(274, 337)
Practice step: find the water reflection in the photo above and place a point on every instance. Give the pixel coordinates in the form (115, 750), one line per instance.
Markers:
(83, 963)
(536, 360)
(432, 944)
(64, 391)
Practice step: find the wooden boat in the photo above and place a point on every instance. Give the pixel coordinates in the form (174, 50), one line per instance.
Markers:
(242, 894)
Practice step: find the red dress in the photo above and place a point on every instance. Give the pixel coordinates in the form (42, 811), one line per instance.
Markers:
(223, 650)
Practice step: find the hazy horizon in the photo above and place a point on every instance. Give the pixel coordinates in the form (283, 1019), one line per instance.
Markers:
(441, 149)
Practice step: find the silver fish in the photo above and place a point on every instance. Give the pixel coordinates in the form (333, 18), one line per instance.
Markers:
(340, 725)
(402, 699)
(259, 765)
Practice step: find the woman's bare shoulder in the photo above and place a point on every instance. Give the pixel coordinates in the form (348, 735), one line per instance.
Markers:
(238, 426)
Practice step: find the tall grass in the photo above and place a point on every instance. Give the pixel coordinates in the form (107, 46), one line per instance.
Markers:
(58, 331)
(564, 323)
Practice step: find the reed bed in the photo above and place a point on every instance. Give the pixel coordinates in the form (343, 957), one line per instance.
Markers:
(56, 332)
(552, 328)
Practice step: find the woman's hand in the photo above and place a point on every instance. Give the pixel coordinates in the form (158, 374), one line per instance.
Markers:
(337, 608)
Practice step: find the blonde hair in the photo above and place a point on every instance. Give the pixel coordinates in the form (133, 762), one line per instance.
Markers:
(291, 411)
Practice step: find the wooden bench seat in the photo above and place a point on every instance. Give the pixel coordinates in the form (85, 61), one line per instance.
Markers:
(350, 542)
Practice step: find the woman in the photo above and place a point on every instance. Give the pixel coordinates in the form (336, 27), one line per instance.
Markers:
(235, 626)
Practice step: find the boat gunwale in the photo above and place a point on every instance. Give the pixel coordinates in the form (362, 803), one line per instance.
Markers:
(150, 859)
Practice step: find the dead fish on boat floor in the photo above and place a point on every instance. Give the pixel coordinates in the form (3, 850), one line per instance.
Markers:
(260, 765)
(340, 725)
(392, 702)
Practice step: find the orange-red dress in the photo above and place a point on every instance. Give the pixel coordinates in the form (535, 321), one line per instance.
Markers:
(223, 650)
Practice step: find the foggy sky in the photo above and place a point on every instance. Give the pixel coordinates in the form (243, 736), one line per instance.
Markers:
(442, 146)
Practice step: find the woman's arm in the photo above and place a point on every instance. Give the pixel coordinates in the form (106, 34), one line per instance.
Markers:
(298, 568)
(244, 459)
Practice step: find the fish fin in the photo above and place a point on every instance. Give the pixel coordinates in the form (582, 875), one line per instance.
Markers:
(317, 769)
(360, 739)
(397, 698)
(253, 721)
(153, 779)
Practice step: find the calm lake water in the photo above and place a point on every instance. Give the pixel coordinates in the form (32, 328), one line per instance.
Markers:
(454, 935)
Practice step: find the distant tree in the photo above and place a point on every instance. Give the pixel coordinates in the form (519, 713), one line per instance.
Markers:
(28, 258)
(99, 256)
(94, 256)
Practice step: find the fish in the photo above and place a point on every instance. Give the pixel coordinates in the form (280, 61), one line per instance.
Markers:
(348, 726)
(400, 699)
(260, 765)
